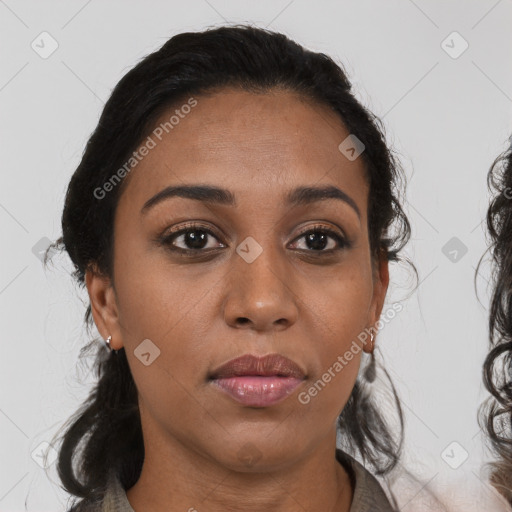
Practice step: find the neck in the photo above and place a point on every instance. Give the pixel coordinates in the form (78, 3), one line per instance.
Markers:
(177, 477)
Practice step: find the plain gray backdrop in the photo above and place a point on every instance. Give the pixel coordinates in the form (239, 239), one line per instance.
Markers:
(437, 73)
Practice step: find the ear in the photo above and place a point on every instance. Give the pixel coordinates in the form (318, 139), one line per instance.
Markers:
(104, 306)
(380, 288)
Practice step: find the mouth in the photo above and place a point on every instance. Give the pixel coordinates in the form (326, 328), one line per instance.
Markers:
(258, 381)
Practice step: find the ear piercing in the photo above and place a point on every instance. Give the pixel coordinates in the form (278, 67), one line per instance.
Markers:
(107, 343)
(370, 371)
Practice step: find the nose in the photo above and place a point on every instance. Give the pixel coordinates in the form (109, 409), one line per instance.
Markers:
(259, 294)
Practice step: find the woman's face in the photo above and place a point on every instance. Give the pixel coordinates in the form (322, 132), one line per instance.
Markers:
(253, 281)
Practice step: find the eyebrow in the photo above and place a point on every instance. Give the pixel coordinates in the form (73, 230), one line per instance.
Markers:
(214, 195)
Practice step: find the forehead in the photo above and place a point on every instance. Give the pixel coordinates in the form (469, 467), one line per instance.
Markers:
(249, 142)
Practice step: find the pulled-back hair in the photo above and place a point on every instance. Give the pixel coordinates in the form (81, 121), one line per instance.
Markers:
(496, 412)
(105, 433)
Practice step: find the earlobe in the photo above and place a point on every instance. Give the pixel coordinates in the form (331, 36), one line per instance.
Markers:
(103, 304)
(369, 345)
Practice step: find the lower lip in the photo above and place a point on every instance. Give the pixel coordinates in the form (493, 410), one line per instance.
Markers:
(257, 391)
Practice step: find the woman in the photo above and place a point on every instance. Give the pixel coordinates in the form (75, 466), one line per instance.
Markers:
(232, 218)
(497, 413)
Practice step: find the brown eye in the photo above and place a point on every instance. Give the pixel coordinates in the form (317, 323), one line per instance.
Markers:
(192, 239)
(321, 239)
(195, 240)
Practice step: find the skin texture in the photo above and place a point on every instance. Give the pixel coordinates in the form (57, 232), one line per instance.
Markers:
(202, 311)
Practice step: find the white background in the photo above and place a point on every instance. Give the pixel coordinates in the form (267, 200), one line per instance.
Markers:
(448, 118)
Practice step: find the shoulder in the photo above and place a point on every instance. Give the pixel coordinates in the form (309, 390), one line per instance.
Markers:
(114, 499)
(86, 506)
(369, 496)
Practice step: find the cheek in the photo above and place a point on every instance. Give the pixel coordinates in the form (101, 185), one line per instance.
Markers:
(340, 307)
(339, 314)
(154, 297)
(153, 309)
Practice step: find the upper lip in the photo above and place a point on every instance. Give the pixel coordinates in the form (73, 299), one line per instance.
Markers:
(271, 364)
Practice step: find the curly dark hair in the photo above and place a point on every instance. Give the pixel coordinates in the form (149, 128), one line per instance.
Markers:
(496, 412)
(105, 433)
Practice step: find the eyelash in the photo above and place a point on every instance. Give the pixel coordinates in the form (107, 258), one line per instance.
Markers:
(167, 240)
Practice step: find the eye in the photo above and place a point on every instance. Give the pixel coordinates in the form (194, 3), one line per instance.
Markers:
(193, 238)
(317, 239)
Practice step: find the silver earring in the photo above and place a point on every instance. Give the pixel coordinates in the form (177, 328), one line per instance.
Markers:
(370, 370)
(107, 342)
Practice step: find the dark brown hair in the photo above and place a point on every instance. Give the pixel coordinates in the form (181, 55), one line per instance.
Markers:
(496, 413)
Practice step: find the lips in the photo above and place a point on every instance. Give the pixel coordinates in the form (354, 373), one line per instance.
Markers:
(269, 365)
(258, 381)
